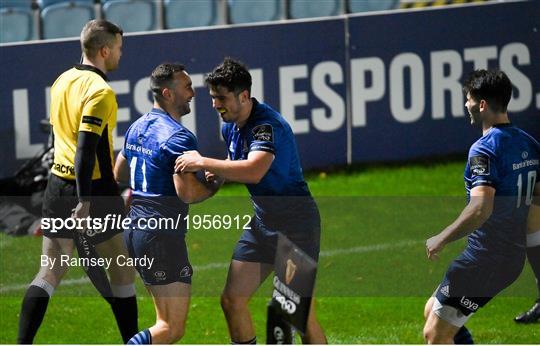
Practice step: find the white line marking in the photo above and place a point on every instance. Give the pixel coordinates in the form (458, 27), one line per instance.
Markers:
(210, 266)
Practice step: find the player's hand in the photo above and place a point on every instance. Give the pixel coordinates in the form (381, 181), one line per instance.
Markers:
(189, 161)
(214, 181)
(211, 177)
(82, 211)
(434, 246)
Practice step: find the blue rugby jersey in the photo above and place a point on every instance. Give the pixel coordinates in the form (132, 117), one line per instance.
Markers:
(152, 144)
(507, 159)
(282, 193)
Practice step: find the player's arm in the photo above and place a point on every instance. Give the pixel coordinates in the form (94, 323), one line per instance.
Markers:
(473, 216)
(121, 169)
(249, 171)
(190, 190)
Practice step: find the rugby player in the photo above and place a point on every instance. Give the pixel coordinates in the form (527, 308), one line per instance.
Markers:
(151, 146)
(500, 179)
(83, 115)
(262, 154)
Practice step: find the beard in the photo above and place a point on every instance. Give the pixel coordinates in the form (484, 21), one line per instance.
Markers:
(112, 65)
(476, 118)
(184, 109)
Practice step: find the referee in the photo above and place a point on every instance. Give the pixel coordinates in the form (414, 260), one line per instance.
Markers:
(83, 114)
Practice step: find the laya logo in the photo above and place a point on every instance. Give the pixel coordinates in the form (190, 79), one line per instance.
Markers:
(469, 304)
(479, 165)
(263, 133)
(290, 271)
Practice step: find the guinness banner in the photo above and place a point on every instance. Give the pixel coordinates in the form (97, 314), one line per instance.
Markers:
(294, 281)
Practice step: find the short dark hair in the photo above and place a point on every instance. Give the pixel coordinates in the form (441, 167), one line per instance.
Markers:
(494, 86)
(96, 34)
(163, 77)
(231, 74)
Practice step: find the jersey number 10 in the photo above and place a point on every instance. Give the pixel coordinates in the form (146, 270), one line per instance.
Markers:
(531, 181)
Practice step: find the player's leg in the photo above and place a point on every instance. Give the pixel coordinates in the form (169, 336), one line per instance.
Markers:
(462, 337)
(437, 330)
(172, 304)
(124, 302)
(314, 332)
(39, 292)
(243, 280)
(533, 255)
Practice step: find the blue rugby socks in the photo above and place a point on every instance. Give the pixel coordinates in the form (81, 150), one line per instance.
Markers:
(463, 337)
(142, 338)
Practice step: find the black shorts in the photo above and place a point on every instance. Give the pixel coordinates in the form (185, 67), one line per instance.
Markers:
(61, 198)
(160, 258)
(259, 243)
(471, 283)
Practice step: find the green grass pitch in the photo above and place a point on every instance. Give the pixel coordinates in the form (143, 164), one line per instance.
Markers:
(373, 277)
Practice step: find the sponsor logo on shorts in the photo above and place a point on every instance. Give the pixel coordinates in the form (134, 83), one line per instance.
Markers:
(160, 275)
(524, 155)
(185, 272)
(445, 291)
(469, 304)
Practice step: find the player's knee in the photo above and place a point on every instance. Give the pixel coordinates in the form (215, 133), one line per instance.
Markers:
(429, 334)
(171, 332)
(433, 336)
(52, 276)
(176, 333)
(231, 302)
(121, 275)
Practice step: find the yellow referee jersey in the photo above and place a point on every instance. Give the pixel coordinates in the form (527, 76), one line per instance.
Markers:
(82, 100)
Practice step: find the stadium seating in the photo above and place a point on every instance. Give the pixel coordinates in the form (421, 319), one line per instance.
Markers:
(307, 8)
(131, 15)
(190, 13)
(249, 11)
(371, 5)
(65, 18)
(16, 21)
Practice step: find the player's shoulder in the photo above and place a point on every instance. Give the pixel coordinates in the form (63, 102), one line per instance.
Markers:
(525, 136)
(178, 134)
(265, 117)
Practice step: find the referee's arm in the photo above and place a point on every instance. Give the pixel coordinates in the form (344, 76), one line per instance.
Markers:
(85, 159)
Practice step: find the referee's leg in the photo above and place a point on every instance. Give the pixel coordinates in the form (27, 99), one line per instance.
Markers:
(124, 303)
(39, 292)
